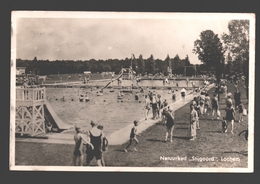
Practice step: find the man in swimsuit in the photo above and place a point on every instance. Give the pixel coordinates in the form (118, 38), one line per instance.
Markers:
(96, 138)
(79, 150)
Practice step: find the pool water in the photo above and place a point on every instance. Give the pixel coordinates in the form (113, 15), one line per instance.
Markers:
(106, 110)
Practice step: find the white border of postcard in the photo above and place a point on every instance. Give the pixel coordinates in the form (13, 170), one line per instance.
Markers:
(124, 15)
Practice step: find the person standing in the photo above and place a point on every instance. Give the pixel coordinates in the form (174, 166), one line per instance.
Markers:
(207, 103)
(79, 146)
(96, 137)
(187, 82)
(147, 106)
(237, 98)
(154, 106)
(230, 116)
(224, 125)
(169, 123)
(241, 109)
(193, 120)
(159, 105)
(202, 102)
(173, 96)
(183, 94)
(104, 145)
(215, 106)
(229, 101)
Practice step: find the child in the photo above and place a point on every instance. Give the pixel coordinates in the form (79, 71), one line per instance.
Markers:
(246, 134)
(240, 111)
(169, 122)
(224, 125)
(133, 135)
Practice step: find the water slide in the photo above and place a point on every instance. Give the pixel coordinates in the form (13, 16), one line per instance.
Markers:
(52, 118)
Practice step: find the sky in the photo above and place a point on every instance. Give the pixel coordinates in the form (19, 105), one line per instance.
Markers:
(112, 36)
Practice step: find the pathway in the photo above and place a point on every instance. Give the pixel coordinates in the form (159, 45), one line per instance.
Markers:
(117, 138)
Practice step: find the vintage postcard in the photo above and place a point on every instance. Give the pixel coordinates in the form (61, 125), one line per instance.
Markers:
(128, 91)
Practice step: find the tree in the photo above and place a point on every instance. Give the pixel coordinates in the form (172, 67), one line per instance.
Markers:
(208, 48)
(35, 58)
(187, 61)
(230, 66)
(141, 64)
(168, 65)
(237, 43)
(177, 65)
(151, 65)
(135, 64)
(210, 52)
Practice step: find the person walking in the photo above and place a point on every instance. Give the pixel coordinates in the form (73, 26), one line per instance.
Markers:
(133, 137)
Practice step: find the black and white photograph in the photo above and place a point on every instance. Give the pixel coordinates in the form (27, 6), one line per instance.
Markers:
(132, 91)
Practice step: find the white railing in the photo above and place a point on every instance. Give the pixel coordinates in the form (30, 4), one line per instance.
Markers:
(30, 94)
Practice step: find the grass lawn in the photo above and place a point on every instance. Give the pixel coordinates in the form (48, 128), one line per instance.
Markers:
(210, 142)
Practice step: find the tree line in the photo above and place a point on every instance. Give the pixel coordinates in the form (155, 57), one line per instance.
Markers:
(139, 65)
(224, 55)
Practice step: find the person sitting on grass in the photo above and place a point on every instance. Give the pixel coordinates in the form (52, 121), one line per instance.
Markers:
(224, 125)
(133, 136)
(168, 113)
(79, 146)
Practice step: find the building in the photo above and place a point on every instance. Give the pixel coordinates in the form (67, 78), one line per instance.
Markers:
(20, 70)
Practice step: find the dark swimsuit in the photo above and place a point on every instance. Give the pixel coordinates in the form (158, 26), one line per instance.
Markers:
(96, 142)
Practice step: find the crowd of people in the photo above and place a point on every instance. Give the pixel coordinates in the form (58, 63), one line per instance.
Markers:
(203, 106)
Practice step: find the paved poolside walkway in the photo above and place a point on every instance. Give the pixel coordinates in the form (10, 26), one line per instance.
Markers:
(117, 138)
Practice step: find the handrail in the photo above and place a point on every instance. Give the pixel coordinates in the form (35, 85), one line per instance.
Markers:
(30, 94)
